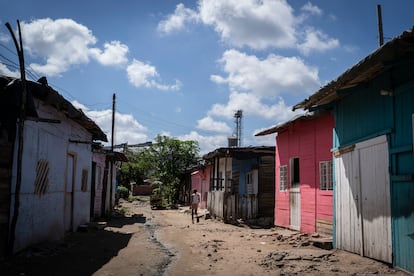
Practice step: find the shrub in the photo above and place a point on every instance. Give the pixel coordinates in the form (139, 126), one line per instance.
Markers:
(123, 192)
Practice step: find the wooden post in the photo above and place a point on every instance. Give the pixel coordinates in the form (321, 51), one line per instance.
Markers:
(22, 117)
(380, 32)
(111, 166)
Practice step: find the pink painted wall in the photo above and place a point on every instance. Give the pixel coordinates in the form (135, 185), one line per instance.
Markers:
(310, 141)
(200, 180)
(281, 198)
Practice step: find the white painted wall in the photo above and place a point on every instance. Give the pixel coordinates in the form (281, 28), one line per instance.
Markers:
(41, 217)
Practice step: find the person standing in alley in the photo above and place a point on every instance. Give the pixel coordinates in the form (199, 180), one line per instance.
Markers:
(195, 200)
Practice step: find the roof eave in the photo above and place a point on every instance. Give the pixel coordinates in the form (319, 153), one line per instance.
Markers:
(364, 71)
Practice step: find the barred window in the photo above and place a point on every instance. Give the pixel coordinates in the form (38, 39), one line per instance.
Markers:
(283, 178)
(325, 175)
(42, 177)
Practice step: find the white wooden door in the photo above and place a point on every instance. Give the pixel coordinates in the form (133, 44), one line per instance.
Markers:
(294, 208)
(363, 210)
(294, 194)
(375, 199)
(348, 220)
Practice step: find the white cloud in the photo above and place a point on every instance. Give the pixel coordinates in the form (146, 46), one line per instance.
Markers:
(127, 128)
(145, 75)
(269, 77)
(251, 105)
(206, 143)
(257, 24)
(177, 20)
(316, 40)
(257, 85)
(114, 53)
(311, 9)
(140, 74)
(209, 124)
(4, 70)
(267, 140)
(62, 43)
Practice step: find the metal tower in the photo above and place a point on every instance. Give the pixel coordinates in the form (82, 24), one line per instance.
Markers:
(238, 131)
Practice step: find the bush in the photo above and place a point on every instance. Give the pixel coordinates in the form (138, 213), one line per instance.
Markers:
(123, 192)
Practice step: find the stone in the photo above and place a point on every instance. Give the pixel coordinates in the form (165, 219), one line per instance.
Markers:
(324, 243)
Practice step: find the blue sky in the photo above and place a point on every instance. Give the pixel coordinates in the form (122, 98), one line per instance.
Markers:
(183, 68)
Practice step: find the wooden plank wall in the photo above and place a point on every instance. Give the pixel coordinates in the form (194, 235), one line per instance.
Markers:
(215, 204)
(266, 187)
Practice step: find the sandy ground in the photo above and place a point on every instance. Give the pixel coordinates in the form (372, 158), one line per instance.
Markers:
(166, 242)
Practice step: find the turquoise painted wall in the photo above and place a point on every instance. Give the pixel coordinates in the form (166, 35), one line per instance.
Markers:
(364, 114)
(402, 174)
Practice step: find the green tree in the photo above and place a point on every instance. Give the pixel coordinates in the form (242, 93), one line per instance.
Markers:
(171, 157)
(136, 170)
(166, 159)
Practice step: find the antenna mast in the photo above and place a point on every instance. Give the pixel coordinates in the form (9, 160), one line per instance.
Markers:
(380, 32)
(238, 120)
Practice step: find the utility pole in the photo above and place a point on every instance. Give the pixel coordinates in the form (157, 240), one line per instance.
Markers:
(113, 122)
(22, 117)
(112, 151)
(380, 32)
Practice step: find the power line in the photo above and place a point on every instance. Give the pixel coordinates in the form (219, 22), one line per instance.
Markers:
(14, 66)
(160, 122)
(159, 119)
(8, 49)
(32, 73)
(9, 60)
(153, 120)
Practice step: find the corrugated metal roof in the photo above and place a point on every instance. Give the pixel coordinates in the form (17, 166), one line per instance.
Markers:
(117, 156)
(42, 91)
(400, 48)
(240, 153)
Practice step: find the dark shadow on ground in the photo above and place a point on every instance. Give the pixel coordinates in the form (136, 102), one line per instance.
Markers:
(80, 253)
(121, 220)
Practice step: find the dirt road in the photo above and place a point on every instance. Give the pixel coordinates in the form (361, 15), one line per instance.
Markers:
(166, 242)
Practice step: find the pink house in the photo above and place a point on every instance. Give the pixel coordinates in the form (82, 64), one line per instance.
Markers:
(303, 170)
(200, 180)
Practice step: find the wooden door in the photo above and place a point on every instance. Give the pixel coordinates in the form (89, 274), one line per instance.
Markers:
(348, 220)
(375, 199)
(69, 188)
(266, 187)
(294, 194)
(363, 210)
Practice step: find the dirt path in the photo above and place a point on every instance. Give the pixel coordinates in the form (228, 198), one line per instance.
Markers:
(165, 242)
(213, 248)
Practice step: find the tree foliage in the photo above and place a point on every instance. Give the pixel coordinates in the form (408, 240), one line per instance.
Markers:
(171, 157)
(167, 159)
(137, 169)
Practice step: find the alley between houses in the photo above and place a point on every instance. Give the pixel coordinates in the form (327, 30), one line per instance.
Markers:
(141, 241)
